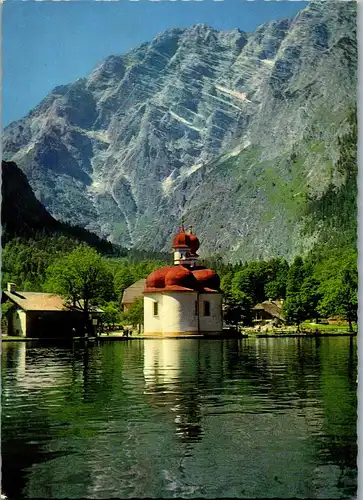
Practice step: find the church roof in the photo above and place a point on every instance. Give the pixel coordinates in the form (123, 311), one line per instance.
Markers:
(186, 240)
(181, 240)
(133, 292)
(182, 279)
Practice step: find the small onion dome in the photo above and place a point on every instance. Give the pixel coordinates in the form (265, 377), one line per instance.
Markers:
(194, 243)
(157, 278)
(182, 239)
(207, 278)
(180, 276)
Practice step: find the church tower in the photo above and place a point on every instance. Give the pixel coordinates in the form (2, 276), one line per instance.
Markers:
(185, 246)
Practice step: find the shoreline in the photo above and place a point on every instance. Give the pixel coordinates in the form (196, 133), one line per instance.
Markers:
(115, 338)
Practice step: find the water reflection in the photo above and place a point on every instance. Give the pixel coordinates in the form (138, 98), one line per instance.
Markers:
(190, 418)
(170, 372)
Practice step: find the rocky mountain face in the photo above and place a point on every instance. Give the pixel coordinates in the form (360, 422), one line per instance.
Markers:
(234, 131)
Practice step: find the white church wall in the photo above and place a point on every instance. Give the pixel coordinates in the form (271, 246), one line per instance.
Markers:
(179, 312)
(152, 322)
(176, 313)
(213, 322)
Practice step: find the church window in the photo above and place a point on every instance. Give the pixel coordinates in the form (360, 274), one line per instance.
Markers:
(156, 308)
(206, 308)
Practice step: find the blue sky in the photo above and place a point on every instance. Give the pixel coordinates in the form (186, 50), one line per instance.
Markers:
(45, 44)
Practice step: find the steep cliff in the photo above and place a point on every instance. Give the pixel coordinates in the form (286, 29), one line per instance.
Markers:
(21, 212)
(24, 216)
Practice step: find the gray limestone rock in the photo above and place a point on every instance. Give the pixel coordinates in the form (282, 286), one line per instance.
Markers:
(230, 129)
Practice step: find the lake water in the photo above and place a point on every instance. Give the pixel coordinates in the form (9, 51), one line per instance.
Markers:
(180, 418)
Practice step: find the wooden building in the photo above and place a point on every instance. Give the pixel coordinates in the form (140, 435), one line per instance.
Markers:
(132, 293)
(38, 314)
(268, 312)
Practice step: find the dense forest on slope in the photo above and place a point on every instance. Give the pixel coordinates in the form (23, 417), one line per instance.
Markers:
(334, 214)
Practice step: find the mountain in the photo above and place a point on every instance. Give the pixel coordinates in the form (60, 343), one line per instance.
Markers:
(23, 215)
(21, 212)
(237, 132)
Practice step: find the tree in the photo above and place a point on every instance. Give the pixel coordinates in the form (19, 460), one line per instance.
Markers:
(294, 306)
(135, 315)
(82, 278)
(226, 283)
(251, 280)
(7, 308)
(237, 310)
(25, 261)
(123, 278)
(275, 288)
(339, 293)
(112, 313)
(310, 297)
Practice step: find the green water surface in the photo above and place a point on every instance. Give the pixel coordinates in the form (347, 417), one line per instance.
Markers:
(165, 418)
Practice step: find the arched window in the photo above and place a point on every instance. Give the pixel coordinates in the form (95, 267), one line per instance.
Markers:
(206, 307)
(156, 308)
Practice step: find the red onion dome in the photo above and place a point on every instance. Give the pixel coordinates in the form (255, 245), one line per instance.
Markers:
(194, 243)
(207, 278)
(157, 278)
(180, 276)
(181, 240)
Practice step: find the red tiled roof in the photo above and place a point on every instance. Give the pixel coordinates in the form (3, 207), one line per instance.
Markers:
(180, 276)
(177, 288)
(165, 278)
(181, 240)
(170, 288)
(194, 243)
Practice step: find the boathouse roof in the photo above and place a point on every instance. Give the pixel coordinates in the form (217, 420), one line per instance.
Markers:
(37, 301)
(40, 301)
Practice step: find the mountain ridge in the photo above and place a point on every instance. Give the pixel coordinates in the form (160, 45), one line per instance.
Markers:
(250, 120)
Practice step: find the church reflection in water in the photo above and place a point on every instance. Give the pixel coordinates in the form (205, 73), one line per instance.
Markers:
(172, 378)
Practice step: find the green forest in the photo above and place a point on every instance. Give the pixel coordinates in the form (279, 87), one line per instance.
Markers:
(320, 285)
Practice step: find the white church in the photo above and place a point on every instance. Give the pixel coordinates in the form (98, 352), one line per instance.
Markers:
(183, 299)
